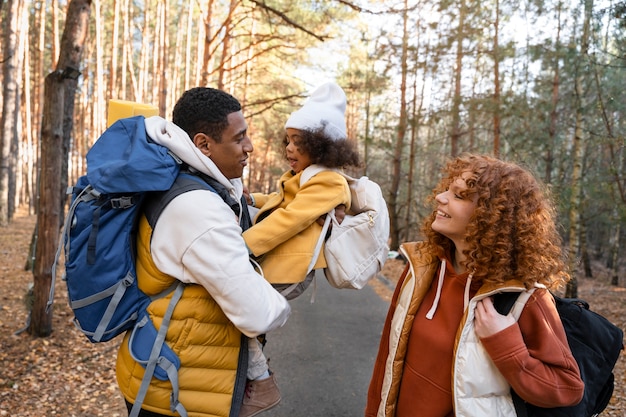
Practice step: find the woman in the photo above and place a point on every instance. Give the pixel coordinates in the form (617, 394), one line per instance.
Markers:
(445, 350)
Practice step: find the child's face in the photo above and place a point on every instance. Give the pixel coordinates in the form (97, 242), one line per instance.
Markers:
(298, 159)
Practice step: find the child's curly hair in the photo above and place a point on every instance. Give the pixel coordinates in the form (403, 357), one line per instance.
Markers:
(512, 233)
(326, 151)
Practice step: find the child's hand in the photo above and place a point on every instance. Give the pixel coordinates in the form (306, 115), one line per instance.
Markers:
(340, 214)
(246, 194)
(487, 321)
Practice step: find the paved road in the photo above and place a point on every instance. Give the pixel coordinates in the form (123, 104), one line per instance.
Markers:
(323, 356)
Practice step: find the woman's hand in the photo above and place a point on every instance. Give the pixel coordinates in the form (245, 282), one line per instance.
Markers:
(487, 321)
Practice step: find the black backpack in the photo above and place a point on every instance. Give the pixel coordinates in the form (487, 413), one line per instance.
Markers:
(596, 344)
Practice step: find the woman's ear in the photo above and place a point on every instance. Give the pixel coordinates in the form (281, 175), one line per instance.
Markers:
(203, 143)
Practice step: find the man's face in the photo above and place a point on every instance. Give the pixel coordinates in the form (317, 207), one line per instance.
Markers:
(231, 154)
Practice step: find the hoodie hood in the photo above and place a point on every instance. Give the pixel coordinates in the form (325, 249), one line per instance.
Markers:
(175, 139)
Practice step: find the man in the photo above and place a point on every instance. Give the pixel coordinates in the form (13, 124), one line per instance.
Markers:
(197, 240)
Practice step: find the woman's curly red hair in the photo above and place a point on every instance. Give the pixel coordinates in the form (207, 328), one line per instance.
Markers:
(512, 233)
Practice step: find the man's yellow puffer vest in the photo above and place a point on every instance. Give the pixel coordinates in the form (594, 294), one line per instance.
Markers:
(206, 342)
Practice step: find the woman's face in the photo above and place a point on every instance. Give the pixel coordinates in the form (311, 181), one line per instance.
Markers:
(454, 210)
(298, 160)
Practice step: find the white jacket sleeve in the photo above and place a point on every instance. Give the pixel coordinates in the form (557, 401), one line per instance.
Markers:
(197, 239)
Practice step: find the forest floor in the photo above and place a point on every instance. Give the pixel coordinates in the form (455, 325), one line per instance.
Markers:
(65, 375)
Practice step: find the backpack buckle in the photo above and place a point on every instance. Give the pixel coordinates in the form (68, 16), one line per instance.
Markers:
(123, 202)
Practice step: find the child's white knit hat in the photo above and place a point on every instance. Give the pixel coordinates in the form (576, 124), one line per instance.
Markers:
(325, 108)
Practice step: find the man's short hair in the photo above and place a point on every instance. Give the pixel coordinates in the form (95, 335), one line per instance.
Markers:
(204, 110)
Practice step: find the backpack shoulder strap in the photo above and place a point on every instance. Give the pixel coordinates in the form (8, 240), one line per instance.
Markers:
(517, 308)
(157, 201)
(309, 172)
(512, 302)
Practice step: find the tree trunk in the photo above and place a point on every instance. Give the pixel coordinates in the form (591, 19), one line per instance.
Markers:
(163, 51)
(24, 168)
(144, 55)
(49, 215)
(113, 91)
(57, 123)
(496, 84)
(416, 118)
(615, 249)
(207, 54)
(188, 42)
(411, 174)
(38, 98)
(584, 250)
(226, 42)
(555, 101)
(399, 146)
(10, 111)
(458, 70)
(577, 158)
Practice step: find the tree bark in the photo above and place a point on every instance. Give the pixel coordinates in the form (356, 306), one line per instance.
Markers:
(113, 68)
(207, 53)
(163, 61)
(226, 42)
(578, 150)
(49, 215)
(496, 84)
(615, 249)
(555, 101)
(57, 124)
(10, 111)
(456, 99)
(399, 146)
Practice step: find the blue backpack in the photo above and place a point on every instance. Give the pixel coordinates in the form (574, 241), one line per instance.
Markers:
(124, 170)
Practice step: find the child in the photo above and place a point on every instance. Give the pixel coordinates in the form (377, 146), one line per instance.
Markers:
(285, 230)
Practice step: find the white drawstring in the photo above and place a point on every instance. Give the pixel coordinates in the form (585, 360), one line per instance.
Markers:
(432, 310)
(468, 284)
(442, 273)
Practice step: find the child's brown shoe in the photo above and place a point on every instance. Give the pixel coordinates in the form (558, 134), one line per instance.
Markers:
(260, 395)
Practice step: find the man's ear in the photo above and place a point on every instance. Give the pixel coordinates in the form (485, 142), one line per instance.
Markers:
(203, 143)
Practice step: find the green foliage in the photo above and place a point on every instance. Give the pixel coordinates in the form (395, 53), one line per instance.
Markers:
(278, 50)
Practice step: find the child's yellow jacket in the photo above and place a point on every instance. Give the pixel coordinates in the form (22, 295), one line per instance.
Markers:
(285, 230)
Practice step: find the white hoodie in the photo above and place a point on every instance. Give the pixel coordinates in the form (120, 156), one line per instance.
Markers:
(197, 239)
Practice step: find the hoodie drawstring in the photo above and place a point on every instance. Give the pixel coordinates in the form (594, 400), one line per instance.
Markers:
(468, 284)
(442, 272)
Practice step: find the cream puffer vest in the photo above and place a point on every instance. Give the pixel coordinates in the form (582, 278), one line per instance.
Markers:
(479, 389)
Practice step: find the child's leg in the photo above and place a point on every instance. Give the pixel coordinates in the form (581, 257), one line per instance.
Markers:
(262, 393)
(257, 363)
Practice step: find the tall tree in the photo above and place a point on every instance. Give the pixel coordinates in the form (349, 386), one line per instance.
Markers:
(57, 123)
(207, 42)
(113, 68)
(496, 80)
(10, 110)
(163, 52)
(552, 128)
(401, 129)
(457, 99)
(578, 153)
